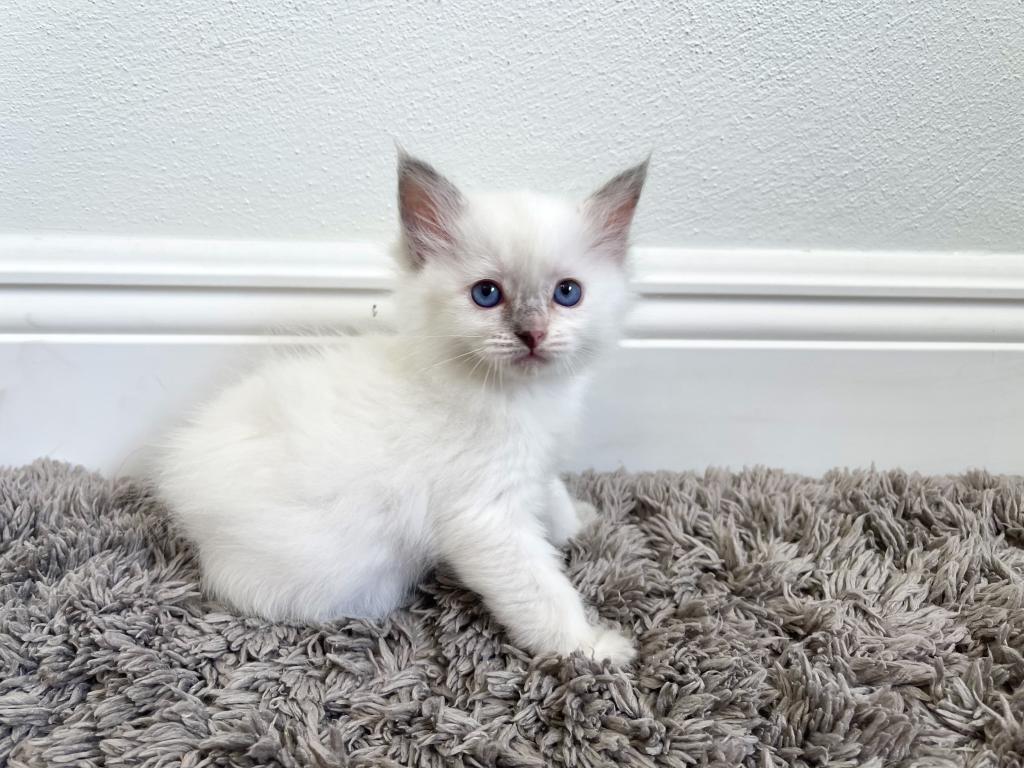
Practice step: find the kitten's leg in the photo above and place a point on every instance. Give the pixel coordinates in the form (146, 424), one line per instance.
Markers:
(501, 553)
(565, 516)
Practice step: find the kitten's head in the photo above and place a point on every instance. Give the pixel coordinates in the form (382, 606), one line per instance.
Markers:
(512, 285)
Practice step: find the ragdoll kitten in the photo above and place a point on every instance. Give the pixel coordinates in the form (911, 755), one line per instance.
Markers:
(326, 486)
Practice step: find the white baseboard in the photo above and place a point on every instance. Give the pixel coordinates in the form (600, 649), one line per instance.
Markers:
(803, 360)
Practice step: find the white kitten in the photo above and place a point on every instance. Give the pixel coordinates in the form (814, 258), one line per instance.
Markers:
(326, 486)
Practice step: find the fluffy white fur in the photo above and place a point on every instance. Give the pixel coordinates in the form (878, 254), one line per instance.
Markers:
(326, 486)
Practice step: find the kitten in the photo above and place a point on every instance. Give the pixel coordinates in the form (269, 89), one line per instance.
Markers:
(326, 486)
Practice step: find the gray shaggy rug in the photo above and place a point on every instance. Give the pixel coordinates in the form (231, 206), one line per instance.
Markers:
(864, 619)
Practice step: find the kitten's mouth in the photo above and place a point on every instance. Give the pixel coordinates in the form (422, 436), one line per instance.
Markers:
(531, 358)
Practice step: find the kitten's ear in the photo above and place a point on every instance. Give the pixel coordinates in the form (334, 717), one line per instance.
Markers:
(610, 210)
(429, 206)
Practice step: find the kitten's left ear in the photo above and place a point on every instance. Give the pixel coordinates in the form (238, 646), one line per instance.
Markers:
(610, 210)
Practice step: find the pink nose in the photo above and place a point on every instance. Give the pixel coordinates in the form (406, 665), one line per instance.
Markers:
(531, 339)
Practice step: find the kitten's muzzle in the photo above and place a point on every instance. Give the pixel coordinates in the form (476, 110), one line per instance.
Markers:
(531, 339)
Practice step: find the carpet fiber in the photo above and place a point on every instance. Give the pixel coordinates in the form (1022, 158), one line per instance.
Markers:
(865, 619)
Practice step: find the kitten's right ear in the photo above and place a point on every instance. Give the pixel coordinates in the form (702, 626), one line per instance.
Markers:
(429, 206)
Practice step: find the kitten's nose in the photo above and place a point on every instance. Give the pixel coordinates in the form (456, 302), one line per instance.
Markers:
(531, 339)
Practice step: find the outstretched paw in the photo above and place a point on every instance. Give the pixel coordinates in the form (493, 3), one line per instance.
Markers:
(586, 513)
(612, 645)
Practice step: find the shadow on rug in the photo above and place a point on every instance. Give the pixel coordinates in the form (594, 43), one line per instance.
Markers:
(866, 619)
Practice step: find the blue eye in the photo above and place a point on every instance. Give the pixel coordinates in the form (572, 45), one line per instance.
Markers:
(486, 294)
(568, 293)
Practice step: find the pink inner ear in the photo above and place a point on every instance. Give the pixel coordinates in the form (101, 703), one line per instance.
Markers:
(421, 213)
(612, 216)
(618, 218)
(428, 205)
(611, 208)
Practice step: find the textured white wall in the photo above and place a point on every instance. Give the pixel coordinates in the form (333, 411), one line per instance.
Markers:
(888, 124)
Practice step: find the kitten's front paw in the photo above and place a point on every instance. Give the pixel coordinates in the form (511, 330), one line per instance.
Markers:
(612, 645)
(586, 513)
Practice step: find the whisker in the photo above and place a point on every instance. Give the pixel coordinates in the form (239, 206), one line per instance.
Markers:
(475, 366)
(490, 369)
(415, 351)
(443, 336)
(450, 360)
